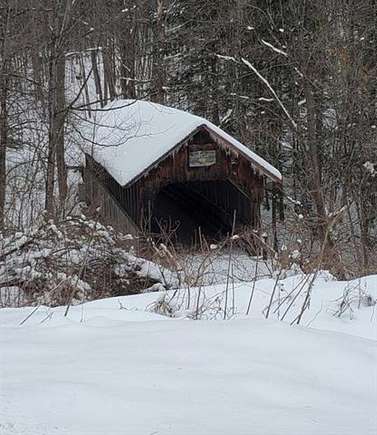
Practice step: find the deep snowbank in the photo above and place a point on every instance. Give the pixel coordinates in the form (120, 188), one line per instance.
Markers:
(114, 368)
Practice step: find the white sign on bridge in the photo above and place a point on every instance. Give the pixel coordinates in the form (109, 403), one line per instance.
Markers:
(202, 158)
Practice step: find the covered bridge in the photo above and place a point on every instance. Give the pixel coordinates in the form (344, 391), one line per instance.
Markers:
(158, 169)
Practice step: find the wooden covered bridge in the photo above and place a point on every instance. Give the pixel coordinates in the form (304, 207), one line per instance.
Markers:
(157, 169)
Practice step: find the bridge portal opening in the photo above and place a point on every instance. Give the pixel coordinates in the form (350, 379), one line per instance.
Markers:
(189, 211)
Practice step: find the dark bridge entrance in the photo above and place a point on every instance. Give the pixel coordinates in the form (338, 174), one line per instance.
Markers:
(206, 206)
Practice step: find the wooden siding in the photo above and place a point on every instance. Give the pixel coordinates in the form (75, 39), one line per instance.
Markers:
(112, 212)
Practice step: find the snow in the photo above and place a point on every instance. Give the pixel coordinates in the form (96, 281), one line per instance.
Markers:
(370, 168)
(113, 367)
(212, 269)
(277, 50)
(128, 137)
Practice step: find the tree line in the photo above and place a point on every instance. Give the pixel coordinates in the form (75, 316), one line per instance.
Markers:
(293, 79)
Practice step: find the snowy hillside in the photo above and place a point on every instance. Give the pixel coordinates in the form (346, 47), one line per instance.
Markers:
(115, 366)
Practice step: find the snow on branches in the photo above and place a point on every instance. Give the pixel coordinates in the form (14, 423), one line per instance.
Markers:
(70, 261)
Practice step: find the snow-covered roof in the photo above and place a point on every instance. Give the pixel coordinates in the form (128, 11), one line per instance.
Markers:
(128, 137)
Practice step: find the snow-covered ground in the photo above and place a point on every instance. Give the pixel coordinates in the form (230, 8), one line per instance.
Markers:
(213, 267)
(115, 366)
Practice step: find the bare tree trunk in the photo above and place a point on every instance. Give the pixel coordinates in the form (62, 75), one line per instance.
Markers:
(158, 69)
(97, 78)
(314, 171)
(3, 115)
(59, 126)
(127, 67)
(127, 40)
(56, 107)
(274, 218)
(364, 228)
(85, 84)
(36, 61)
(50, 177)
(108, 70)
(215, 109)
(3, 145)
